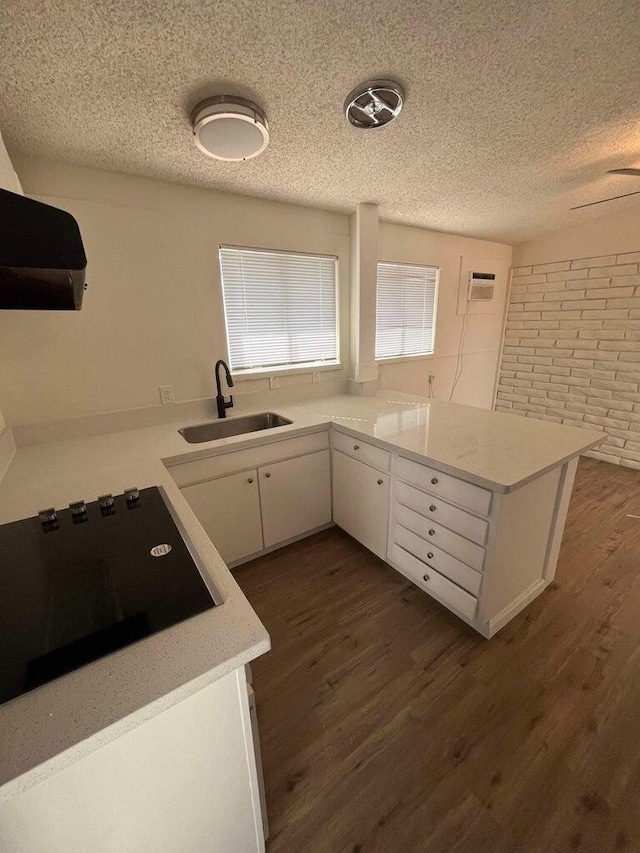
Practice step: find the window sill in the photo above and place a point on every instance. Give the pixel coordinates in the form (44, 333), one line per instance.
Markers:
(266, 372)
(399, 359)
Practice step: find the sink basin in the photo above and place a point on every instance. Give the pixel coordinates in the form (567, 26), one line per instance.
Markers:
(233, 426)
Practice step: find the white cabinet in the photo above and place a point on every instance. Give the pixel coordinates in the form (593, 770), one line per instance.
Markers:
(295, 496)
(229, 510)
(361, 502)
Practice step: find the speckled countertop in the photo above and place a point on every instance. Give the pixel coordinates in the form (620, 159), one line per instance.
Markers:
(55, 725)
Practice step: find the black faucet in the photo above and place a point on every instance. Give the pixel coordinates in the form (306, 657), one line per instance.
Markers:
(223, 404)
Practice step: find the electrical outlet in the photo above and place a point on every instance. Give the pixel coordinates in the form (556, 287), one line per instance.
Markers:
(166, 394)
(315, 376)
(274, 382)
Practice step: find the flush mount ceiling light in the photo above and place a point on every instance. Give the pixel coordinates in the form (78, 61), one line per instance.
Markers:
(229, 128)
(374, 104)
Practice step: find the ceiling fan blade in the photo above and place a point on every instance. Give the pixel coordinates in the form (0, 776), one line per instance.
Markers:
(602, 200)
(634, 172)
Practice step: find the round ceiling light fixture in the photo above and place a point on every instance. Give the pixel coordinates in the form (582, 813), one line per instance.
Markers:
(374, 104)
(226, 127)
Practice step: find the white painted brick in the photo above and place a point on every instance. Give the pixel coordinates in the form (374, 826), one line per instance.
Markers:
(551, 369)
(536, 394)
(530, 279)
(534, 359)
(629, 463)
(632, 417)
(622, 324)
(558, 266)
(546, 342)
(561, 315)
(567, 397)
(602, 334)
(622, 433)
(565, 276)
(634, 314)
(513, 307)
(512, 333)
(594, 393)
(633, 396)
(611, 314)
(546, 287)
(582, 324)
(526, 373)
(605, 422)
(588, 304)
(527, 333)
(527, 315)
(571, 380)
(633, 445)
(598, 355)
(507, 383)
(603, 457)
(612, 385)
(628, 258)
(529, 407)
(630, 335)
(515, 398)
(620, 346)
(541, 324)
(620, 406)
(582, 343)
(590, 373)
(509, 358)
(619, 269)
(585, 263)
(627, 302)
(630, 454)
(587, 409)
(564, 334)
(504, 407)
(518, 324)
(526, 297)
(544, 386)
(588, 283)
(610, 293)
(556, 352)
(575, 363)
(611, 442)
(519, 350)
(564, 296)
(516, 271)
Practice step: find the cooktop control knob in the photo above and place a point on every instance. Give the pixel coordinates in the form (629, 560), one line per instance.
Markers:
(133, 497)
(107, 504)
(48, 518)
(78, 511)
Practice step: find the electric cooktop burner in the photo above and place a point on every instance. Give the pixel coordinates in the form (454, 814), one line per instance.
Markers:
(81, 583)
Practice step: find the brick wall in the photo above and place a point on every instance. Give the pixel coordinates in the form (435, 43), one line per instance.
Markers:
(572, 349)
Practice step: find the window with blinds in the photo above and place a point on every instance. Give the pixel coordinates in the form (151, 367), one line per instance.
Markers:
(405, 310)
(280, 308)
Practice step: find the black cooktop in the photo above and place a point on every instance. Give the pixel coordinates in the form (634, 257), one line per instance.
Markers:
(81, 583)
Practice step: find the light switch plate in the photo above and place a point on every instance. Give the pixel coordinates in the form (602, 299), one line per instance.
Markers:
(274, 382)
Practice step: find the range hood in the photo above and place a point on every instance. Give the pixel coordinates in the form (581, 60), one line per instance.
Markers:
(42, 259)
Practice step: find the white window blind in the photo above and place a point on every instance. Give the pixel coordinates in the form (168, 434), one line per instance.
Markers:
(280, 308)
(405, 309)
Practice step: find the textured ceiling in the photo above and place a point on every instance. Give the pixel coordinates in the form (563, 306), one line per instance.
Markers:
(514, 109)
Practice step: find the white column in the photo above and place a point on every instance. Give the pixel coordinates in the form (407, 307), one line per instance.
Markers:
(364, 259)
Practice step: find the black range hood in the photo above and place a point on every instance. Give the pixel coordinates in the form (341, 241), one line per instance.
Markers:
(42, 259)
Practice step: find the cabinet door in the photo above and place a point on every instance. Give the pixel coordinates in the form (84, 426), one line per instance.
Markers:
(295, 496)
(229, 510)
(361, 502)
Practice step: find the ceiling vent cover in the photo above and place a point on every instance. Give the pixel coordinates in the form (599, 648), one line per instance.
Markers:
(226, 127)
(374, 104)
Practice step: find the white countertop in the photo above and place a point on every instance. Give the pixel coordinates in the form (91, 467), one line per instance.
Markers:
(53, 726)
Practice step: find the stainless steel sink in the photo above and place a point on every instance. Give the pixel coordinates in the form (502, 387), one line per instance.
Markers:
(233, 426)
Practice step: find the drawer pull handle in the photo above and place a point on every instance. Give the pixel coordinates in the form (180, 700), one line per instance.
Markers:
(432, 508)
(267, 475)
(434, 481)
(432, 532)
(425, 578)
(356, 447)
(380, 482)
(430, 555)
(250, 480)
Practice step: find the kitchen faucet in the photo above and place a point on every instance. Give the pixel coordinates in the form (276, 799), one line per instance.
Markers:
(221, 403)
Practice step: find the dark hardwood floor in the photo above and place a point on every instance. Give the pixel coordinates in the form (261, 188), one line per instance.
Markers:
(388, 725)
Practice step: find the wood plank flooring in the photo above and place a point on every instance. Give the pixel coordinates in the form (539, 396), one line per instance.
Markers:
(388, 725)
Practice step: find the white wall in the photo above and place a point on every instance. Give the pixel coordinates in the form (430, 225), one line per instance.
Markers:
(153, 312)
(483, 336)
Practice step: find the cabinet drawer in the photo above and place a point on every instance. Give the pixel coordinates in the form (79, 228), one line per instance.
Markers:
(450, 488)
(450, 516)
(220, 464)
(432, 581)
(361, 450)
(447, 540)
(447, 565)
